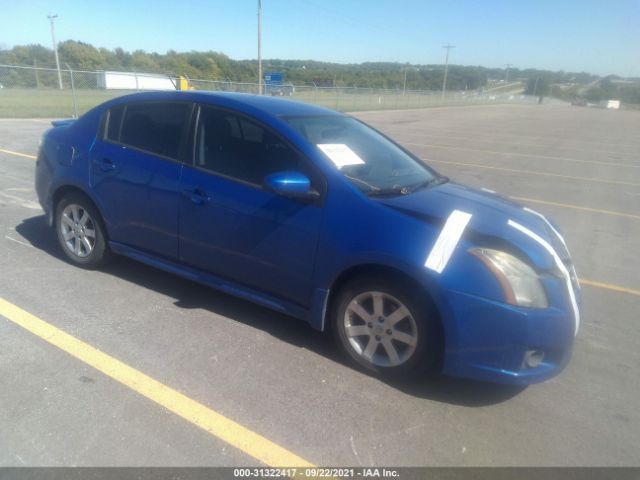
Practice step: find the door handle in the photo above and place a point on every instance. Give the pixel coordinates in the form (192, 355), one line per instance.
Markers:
(105, 164)
(197, 196)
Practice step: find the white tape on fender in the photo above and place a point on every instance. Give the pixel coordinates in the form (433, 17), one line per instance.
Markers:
(530, 210)
(561, 267)
(447, 240)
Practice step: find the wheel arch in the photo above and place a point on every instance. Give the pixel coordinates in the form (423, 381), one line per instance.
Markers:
(377, 270)
(66, 189)
(397, 276)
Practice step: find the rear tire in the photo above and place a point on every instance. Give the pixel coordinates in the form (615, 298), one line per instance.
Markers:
(387, 327)
(80, 231)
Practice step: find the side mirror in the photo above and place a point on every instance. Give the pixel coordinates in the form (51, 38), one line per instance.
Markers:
(291, 185)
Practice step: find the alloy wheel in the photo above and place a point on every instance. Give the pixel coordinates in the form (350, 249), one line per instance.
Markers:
(380, 328)
(78, 230)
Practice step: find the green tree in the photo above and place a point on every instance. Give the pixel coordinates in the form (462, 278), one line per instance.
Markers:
(79, 55)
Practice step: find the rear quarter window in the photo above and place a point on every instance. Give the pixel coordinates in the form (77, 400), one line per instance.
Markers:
(114, 122)
(155, 127)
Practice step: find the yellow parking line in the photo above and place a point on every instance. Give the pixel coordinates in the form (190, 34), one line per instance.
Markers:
(576, 207)
(18, 154)
(509, 142)
(533, 172)
(201, 416)
(522, 154)
(608, 286)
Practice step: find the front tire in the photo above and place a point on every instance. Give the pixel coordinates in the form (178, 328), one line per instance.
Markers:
(388, 328)
(80, 231)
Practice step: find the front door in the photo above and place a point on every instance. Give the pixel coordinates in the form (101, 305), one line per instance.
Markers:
(230, 226)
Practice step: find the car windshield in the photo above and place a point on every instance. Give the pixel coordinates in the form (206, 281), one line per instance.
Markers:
(372, 163)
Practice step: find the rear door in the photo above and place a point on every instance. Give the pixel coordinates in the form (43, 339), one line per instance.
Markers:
(135, 173)
(230, 225)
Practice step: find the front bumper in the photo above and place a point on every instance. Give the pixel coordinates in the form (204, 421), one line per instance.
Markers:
(490, 341)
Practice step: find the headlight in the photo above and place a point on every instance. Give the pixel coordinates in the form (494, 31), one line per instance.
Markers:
(518, 280)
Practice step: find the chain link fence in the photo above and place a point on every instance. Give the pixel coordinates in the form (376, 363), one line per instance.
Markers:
(29, 92)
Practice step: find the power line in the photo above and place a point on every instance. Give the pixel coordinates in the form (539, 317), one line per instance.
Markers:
(359, 23)
(348, 20)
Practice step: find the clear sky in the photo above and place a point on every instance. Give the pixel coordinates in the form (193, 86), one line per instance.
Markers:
(597, 36)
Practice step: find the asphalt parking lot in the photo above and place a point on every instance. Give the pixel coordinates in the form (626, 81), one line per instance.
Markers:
(276, 377)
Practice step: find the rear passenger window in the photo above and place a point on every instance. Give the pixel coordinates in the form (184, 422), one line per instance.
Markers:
(154, 127)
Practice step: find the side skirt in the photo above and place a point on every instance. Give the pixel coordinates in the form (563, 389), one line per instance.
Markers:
(213, 281)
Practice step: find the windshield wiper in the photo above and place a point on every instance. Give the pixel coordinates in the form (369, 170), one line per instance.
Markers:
(372, 188)
(375, 191)
(406, 190)
(384, 192)
(432, 182)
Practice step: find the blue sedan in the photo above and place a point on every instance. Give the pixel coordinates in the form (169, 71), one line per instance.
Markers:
(314, 214)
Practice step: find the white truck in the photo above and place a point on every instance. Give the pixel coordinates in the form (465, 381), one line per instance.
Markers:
(615, 104)
(135, 81)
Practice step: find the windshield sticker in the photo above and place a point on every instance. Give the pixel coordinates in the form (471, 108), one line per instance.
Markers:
(340, 154)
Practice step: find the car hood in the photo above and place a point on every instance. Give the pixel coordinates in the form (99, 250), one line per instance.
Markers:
(489, 224)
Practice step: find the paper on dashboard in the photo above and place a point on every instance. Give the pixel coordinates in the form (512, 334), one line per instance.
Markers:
(340, 154)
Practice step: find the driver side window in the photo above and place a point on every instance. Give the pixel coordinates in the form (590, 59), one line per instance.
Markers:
(235, 147)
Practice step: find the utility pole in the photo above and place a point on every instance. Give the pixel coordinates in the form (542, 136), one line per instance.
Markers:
(508, 65)
(446, 68)
(35, 69)
(259, 47)
(404, 86)
(55, 48)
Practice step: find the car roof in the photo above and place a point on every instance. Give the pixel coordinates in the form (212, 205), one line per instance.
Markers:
(242, 101)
